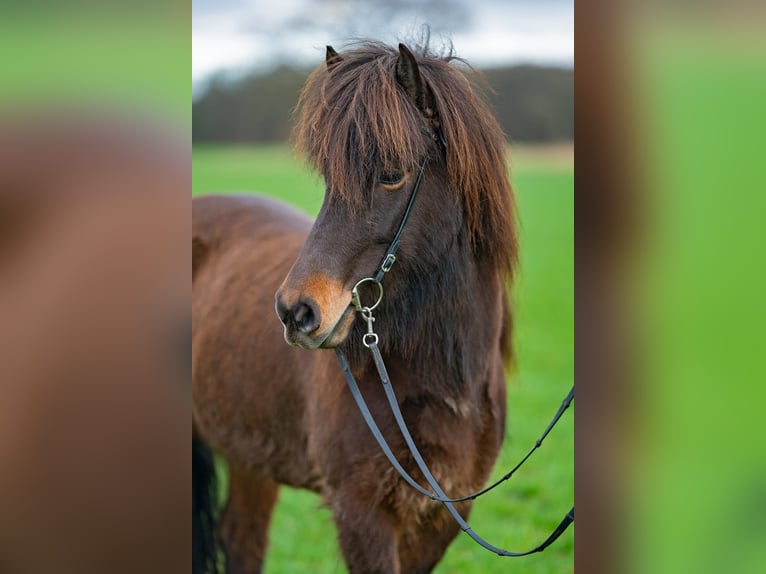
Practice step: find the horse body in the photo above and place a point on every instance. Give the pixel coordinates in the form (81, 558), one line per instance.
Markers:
(250, 242)
(281, 414)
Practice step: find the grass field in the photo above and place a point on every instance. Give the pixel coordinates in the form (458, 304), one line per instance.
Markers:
(521, 513)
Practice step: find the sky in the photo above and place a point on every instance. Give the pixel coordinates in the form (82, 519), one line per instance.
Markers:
(237, 36)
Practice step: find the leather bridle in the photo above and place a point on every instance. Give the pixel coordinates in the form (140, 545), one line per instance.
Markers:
(370, 340)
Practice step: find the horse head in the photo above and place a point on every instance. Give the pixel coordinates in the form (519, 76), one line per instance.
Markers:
(380, 130)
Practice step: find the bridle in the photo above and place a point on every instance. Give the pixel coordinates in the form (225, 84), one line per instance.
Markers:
(370, 340)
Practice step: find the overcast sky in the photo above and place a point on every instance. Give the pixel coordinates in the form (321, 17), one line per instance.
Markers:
(238, 35)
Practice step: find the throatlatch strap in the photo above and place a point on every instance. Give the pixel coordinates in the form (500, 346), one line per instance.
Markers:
(439, 493)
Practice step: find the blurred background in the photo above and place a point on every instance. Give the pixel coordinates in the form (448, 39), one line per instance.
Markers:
(249, 61)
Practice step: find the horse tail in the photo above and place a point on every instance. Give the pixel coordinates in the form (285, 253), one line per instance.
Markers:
(205, 540)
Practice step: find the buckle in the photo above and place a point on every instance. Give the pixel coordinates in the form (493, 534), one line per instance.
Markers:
(388, 262)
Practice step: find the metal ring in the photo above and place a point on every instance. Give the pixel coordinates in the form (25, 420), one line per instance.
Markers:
(355, 295)
(373, 339)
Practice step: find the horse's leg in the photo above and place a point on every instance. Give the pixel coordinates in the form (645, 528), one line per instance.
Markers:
(421, 547)
(367, 538)
(245, 520)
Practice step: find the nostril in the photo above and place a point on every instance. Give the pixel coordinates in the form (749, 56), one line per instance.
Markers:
(306, 317)
(303, 316)
(302, 312)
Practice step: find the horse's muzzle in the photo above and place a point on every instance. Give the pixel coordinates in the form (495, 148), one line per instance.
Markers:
(316, 315)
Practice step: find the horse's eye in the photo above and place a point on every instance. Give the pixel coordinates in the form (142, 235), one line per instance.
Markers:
(391, 177)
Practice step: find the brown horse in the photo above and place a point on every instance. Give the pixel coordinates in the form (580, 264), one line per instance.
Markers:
(368, 119)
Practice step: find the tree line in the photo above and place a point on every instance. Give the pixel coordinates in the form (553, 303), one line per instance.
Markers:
(533, 104)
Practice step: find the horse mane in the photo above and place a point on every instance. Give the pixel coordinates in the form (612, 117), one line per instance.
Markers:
(355, 119)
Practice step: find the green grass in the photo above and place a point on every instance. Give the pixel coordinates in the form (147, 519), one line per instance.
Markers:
(521, 513)
(97, 56)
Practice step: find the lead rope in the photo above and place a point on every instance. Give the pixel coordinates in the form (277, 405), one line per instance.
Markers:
(394, 404)
(440, 496)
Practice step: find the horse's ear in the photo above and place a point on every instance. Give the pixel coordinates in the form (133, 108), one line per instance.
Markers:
(332, 58)
(408, 76)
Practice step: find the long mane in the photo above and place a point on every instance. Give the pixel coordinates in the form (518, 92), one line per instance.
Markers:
(356, 118)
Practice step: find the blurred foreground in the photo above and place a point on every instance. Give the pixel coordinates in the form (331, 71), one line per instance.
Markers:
(95, 325)
(94, 346)
(671, 455)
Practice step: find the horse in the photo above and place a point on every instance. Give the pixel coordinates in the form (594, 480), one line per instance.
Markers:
(373, 120)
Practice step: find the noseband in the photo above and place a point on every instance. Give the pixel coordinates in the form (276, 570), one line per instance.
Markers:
(370, 340)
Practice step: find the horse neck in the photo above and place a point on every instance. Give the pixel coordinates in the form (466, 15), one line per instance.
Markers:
(440, 323)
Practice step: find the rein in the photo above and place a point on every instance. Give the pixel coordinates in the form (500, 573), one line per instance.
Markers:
(370, 340)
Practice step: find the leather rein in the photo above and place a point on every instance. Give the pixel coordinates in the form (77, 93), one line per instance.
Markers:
(370, 340)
